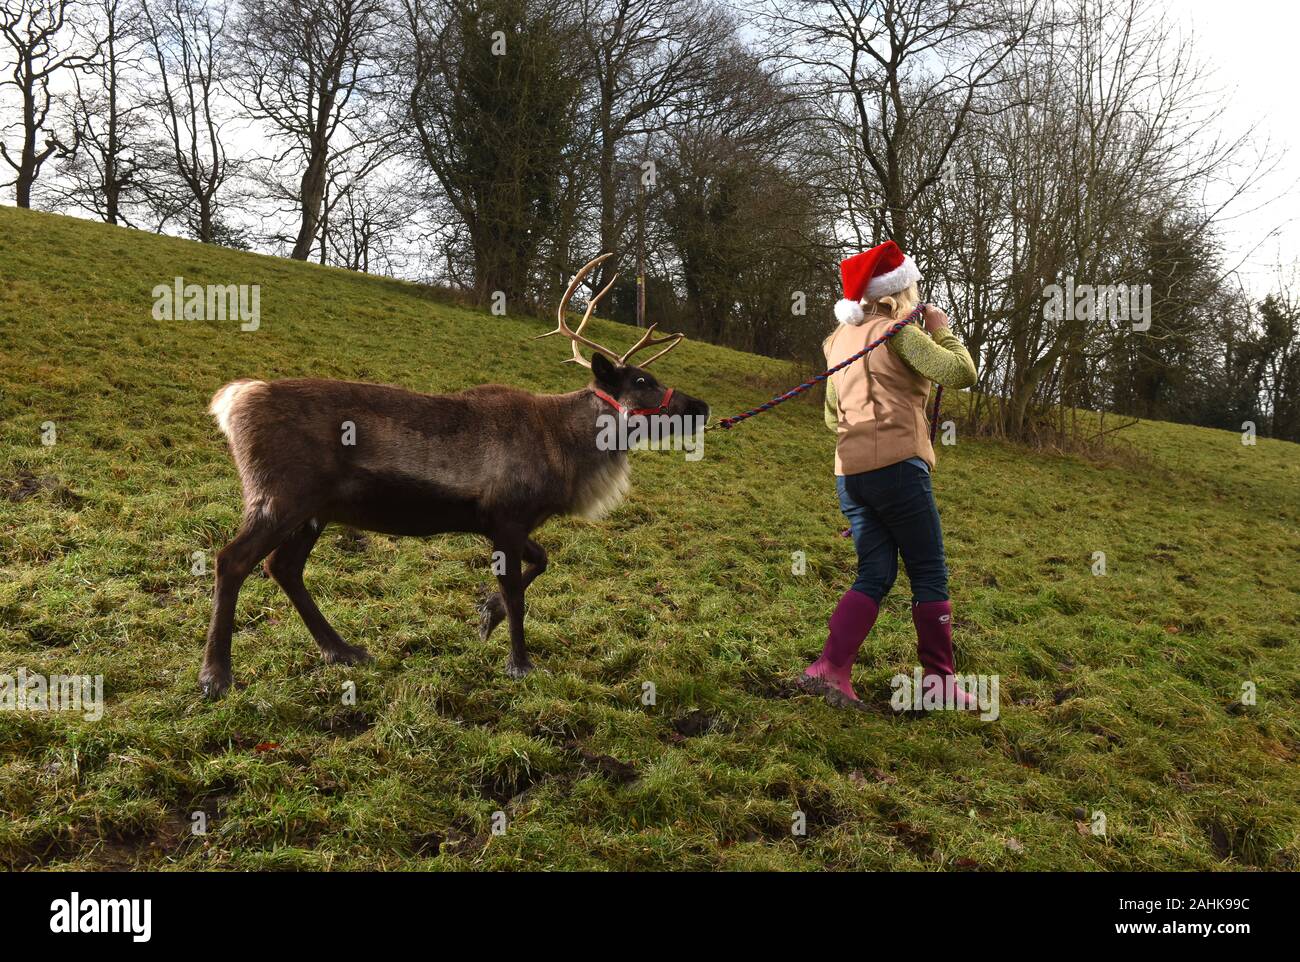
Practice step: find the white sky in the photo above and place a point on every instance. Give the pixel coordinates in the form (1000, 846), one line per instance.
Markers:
(1248, 48)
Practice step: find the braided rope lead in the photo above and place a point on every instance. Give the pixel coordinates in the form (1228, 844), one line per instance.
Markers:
(934, 418)
(728, 423)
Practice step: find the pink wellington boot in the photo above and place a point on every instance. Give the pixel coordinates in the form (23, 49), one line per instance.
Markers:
(933, 621)
(850, 624)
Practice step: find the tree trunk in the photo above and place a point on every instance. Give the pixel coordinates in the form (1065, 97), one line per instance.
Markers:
(608, 211)
(205, 221)
(313, 189)
(27, 159)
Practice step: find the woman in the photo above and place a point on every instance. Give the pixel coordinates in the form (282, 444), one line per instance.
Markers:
(883, 459)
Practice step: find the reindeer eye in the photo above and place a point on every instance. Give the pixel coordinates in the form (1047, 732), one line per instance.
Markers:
(640, 382)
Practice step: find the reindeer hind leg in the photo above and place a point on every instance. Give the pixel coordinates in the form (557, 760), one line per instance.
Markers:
(285, 564)
(257, 537)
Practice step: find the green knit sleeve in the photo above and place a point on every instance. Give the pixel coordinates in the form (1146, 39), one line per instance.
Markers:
(940, 358)
(832, 411)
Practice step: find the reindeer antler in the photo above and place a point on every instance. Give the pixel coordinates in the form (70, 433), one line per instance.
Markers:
(648, 340)
(576, 337)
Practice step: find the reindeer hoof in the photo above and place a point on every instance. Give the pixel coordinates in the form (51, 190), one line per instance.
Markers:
(347, 655)
(491, 612)
(518, 669)
(214, 683)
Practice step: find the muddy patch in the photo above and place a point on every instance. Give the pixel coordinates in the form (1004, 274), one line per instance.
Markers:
(772, 686)
(618, 772)
(26, 485)
(345, 724)
(694, 724)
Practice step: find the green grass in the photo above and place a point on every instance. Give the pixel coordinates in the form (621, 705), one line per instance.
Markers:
(1119, 693)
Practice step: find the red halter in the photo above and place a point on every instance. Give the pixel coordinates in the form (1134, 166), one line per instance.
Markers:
(663, 405)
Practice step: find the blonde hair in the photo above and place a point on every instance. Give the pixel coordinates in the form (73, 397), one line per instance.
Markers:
(895, 306)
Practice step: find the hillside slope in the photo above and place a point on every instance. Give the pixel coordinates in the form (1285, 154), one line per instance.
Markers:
(1119, 694)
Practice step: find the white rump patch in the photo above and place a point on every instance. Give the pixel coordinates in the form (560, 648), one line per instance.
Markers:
(225, 400)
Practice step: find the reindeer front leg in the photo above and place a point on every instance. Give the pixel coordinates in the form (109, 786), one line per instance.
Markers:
(492, 608)
(512, 591)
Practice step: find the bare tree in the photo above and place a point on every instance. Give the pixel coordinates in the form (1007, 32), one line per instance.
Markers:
(887, 73)
(1064, 179)
(647, 58)
(190, 48)
(107, 114)
(365, 221)
(309, 69)
(43, 46)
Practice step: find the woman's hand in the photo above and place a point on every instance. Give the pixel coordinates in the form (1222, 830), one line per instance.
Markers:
(935, 319)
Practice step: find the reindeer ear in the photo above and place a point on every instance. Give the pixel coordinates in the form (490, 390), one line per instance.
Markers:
(604, 370)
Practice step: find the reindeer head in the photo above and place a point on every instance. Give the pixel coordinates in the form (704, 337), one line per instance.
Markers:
(629, 389)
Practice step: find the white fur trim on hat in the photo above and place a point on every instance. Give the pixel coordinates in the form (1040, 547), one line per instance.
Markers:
(849, 312)
(899, 279)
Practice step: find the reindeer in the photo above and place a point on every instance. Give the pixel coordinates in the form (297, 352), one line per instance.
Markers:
(491, 460)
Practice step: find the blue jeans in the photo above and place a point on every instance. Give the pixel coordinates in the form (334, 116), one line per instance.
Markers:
(892, 510)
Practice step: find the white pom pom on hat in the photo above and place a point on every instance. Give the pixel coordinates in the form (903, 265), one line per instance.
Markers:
(849, 312)
(881, 271)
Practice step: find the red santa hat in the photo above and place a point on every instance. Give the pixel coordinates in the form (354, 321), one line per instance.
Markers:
(873, 274)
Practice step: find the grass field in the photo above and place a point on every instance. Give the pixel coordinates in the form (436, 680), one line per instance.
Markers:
(1120, 694)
